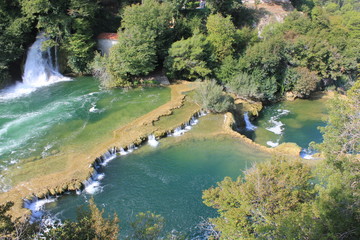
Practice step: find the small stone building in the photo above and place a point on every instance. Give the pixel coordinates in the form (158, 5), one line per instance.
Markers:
(105, 41)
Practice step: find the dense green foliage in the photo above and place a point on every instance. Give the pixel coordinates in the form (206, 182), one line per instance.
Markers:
(70, 25)
(190, 58)
(255, 206)
(221, 35)
(144, 37)
(90, 225)
(286, 199)
(218, 41)
(147, 226)
(11, 228)
(211, 97)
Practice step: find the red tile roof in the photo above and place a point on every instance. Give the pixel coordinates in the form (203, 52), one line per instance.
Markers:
(110, 36)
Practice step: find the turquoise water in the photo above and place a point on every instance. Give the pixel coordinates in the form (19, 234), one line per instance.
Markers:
(66, 117)
(295, 121)
(168, 180)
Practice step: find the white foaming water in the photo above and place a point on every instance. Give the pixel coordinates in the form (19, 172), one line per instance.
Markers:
(92, 185)
(39, 71)
(108, 157)
(123, 152)
(248, 125)
(178, 132)
(188, 126)
(37, 206)
(272, 144)
(307, 154)
(277, 126)
(93, 108)
(152, 141)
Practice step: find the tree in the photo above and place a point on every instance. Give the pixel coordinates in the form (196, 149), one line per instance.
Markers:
(253, 206)
(225, 7)
(134, 55)
(266, 63)
(339, 192)
(211, 97)
(227, 70)
(301, 81)
(221, 35)
(151, 19)
(90, 225)
(80, 52)
(147, 226)
(190, 58)
(342, 133)
(143, 38)
(18, 228)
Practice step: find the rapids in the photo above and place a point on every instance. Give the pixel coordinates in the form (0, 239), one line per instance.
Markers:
(60, 118)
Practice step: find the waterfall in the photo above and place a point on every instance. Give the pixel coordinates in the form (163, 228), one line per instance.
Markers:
(39, 68)
(39, 71)
(152, 141)
(248, 124)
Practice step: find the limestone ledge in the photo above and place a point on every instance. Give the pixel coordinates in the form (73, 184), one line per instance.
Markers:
(134, 133)
(81, 167)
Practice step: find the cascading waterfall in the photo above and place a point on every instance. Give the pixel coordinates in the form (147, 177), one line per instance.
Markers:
(39, 68)
(248, 125)
(39, 71)
(152, 141)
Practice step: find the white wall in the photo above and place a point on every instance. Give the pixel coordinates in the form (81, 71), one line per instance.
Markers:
(104, 45)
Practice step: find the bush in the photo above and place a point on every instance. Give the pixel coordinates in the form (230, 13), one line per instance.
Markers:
(211, 97)
(256, 85)
(301, 81)
(243, 85)
(98, 69)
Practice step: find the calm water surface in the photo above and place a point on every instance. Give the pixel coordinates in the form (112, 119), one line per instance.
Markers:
(167, 180)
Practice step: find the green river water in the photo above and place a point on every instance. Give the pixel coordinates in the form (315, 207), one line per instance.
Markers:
(67, 116)
(292, 121)
(167, 179)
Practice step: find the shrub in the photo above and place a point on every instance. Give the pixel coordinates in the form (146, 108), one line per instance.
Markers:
(211, 97)
(301, 81)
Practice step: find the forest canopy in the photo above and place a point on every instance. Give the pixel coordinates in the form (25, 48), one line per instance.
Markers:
(216, 42)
